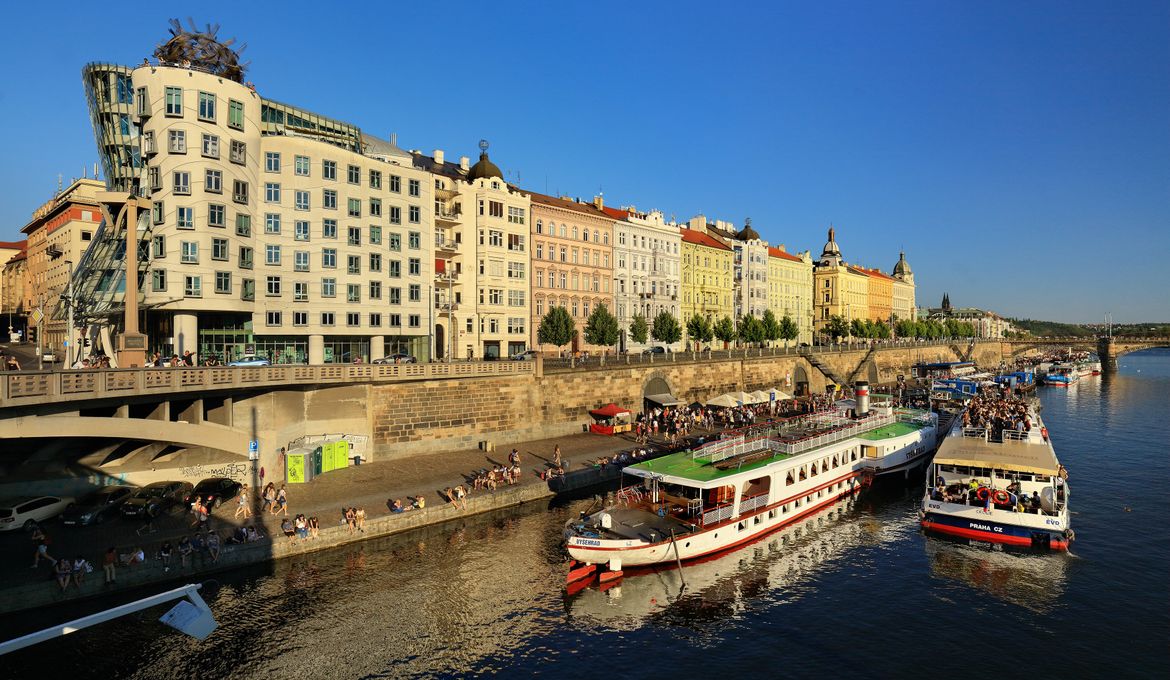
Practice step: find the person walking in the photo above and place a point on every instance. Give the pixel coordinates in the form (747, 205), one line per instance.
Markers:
(42, 550)
(269, 497)
(243, 508)
(281, 502)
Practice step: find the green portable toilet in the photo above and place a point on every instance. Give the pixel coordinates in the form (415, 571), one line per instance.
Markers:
(299, 467)
(317, 461)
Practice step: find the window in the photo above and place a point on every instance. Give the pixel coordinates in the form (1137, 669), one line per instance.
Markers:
(182, 183)
(414, 240)
(206, 106)
(375, 179)
(495, 209)
(540, 278)
(213, 181)
(148, 143)
(354, 236)
(327, 318)
(395, 296)
(301, 165)
(174, 101)
(211, 146)
(375, 290)
(271, 223)
(516, 324)
(329, 199)
(300, 318)
(375, 262)
(329, 258)
(193, 286)
(415, 266)
(353, 292)
(355, 175)
(515, 298)
(396, 242)
(235, 114)
(329, 287)
(375, 320)
(329, 170)
(515, 270)
(245, 259)
(301, 200)
(355, 207)
(395, 320)
(300, 291)
(495, 238)
(272, 255)
(155, 179)
(243, 225)
(375, 235)
(415, 320)
(177, 141)
(415, 292)
(515, 215)
(143, 102)
(540, 251)
(495, 296)
(353, 318)
(301, 261)
(413, 187)
(248, 289)
(329, 229)
(353, 264)
(158, 246)
(272, 318)
(396, 184)
(301, 230)
(272, 286)
(375, 207)
(415, 214)
(219, 249)
(240, 191)
(272, 192)
(395, 215)
(271, 161)
(239, 152)
(158, 280)
(223, 283)
(395, 269)
(516, 242)
(185, 218)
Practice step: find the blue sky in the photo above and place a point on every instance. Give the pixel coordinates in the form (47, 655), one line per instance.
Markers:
(1018, 151)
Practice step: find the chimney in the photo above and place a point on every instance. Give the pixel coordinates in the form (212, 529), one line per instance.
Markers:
(439, 156)
(464, 163)
(781, 248)
(861, 396)
(598, 202)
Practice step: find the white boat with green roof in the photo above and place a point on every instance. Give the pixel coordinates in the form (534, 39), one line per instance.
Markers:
(748, 483)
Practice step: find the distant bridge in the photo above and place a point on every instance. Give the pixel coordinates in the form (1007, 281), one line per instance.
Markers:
(1107, 348)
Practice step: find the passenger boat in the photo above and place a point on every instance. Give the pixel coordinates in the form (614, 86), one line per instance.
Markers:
(1062, 375)
(1008, 490)
(748, 483)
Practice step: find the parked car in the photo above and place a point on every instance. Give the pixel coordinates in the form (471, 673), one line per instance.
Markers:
(526, 355)
(655, 350)
(399, 358)
(218, 489)
(25, 513)
(250, 360)
(97, 506)
(154, 499)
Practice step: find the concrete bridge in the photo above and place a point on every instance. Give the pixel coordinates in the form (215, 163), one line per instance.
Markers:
(1107, 348)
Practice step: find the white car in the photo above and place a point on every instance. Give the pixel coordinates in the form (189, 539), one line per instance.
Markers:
(23, 513)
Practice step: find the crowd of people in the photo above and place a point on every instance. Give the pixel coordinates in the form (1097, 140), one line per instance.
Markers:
(996, 411)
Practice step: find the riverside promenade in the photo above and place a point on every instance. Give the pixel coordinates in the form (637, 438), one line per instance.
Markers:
(369, 486)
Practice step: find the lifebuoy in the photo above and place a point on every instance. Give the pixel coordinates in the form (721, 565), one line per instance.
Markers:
(982, 493)
(1001, 497)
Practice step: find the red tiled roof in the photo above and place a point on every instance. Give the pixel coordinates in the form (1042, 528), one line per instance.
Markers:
(877, 273)
(783, 255)
(14, 245)
(587, 208)
(701, 239)
(615, 212)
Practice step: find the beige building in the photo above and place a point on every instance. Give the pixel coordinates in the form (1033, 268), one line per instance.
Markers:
(790, 285)
(902, 303)
(272, 230)
(481, 241)
(58, 234)
(838, 289)
(13, 277)
(880, 295)
(647, 262)
(572, 263)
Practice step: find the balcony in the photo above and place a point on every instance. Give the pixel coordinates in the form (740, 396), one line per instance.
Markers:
(445, 306)
(447, 216)
(445, 246)
(446, 279)
(444, 193)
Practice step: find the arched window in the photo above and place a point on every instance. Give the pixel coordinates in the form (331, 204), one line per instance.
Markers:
(605, 238)
(574, 232)
(596, 236)
(539, 227)
(563, 231)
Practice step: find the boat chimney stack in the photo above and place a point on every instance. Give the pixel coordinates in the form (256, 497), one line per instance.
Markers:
(861, 396)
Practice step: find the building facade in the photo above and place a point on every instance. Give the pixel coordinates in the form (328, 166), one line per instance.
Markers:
(879, 295)
(839, 290)
(751, 272)
(707, 271)
(646, 270)
(272, 230)
(903, 305)
(790, 286)
(13, 279)
(572, 263)
(58, 234)
(482, 248)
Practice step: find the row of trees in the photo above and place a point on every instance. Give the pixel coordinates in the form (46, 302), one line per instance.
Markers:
(602, 328)
(839, 328)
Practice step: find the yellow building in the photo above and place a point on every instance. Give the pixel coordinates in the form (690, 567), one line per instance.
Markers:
(880, 294)
(790, 289)
(903, 290)
(839, 290)
(706, 278)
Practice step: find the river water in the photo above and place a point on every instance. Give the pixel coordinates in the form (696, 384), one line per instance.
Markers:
(856, 590)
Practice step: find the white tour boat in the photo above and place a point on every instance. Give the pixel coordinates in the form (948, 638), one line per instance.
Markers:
(748, 483)
(1008, 490)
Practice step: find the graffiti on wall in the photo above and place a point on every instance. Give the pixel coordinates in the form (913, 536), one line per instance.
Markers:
(236, 471)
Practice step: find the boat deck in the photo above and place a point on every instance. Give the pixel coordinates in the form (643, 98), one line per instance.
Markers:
(639, 524)
(889, 431)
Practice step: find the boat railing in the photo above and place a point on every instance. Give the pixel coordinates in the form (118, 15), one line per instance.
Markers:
(975, 432)
(753, 502)
(780, 439)
(717, 514)
(628, 495)
(835, 435)
(1015, 435)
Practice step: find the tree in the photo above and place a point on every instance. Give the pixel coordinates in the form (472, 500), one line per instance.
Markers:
(666, 328)
(724, 329)
(837, 327)
(788, 329)
(881, 331)
(906, 328)
(639, 331)
(699, 329)
(952, 329)
(770, 326)
(556, 327)
(857, 328)
(750, 329)
(601, 328)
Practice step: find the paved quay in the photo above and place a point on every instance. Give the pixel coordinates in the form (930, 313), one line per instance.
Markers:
(368, 486)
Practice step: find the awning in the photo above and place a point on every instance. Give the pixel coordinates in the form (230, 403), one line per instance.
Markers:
(663, 399)
(609, 411)
(1015, 456)
(722, 401)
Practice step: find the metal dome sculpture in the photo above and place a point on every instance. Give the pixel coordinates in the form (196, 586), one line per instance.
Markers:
(202, 51)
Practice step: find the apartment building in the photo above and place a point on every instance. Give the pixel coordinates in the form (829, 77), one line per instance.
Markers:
(707, 270)
(790, 285)
(647, 257)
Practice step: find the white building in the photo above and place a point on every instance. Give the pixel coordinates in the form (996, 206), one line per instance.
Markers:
(646, 270)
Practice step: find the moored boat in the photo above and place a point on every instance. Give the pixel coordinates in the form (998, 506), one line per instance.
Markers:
(1002, 487)
(750, 482)
(1062, 375)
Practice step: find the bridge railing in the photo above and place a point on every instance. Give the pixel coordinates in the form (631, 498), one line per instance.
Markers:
(28, 388)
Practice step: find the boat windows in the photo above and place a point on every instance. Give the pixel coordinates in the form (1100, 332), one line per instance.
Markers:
(789, 481)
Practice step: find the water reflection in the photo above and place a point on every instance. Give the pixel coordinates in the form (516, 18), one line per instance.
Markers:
(726, 585)
(1035, 582)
